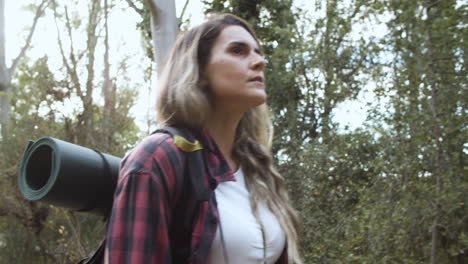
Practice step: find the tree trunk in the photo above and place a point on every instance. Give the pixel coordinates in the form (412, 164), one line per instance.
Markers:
(431, 11)
(328, 70)
(4, 76)
(164, 28)
(5, 72)
(91, 49)
(107, 85)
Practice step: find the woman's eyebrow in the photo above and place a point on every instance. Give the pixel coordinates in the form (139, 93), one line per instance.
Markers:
(244, 44)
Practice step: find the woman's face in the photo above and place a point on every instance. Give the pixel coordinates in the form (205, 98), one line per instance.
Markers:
(235, 70)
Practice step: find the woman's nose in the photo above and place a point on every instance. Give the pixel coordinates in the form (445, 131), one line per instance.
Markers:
(258, 62)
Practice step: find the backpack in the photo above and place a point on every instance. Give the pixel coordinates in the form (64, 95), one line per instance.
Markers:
(193, 192)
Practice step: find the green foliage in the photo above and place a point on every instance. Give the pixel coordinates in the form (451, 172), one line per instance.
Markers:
(145, 28)
(421, 191)
(333, 177)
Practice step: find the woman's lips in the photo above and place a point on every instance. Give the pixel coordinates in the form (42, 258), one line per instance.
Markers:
(257, 79)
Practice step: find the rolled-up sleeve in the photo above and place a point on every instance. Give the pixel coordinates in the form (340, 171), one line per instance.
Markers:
(147, 189)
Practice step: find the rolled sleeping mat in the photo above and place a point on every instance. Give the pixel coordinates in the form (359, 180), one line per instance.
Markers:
(67, 175)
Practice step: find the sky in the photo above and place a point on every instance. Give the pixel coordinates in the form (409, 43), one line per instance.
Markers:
(125, 41)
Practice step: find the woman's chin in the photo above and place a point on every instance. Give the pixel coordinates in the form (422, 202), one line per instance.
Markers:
(243, 101)
(257, 99)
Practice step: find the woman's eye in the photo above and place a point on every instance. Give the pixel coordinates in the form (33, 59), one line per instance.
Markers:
(238, 51)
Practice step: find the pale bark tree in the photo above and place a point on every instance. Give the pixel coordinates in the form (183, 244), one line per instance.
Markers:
(108, 88)
(7, 72)
(164, 26)
(87, 118)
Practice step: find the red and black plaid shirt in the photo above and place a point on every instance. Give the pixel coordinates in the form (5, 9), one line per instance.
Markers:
(149, 186)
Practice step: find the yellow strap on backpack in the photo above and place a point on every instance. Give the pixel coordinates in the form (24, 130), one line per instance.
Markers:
(186, 145)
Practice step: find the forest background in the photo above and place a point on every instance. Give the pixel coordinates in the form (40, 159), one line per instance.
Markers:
(391, 189)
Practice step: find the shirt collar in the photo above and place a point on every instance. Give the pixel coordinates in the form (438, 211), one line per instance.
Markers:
(219, 168)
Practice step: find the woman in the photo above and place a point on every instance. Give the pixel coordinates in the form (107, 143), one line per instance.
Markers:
(213, 84)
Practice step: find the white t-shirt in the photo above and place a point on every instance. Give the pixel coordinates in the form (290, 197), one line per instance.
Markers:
(241, 231)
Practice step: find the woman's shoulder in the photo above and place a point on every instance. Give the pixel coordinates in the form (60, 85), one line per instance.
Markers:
(155, 164)
(158, 147)
(156, 141)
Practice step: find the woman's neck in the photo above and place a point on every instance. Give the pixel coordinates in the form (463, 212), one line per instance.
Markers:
(222, 127)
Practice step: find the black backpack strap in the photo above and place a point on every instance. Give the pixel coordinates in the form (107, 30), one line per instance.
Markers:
(187, 141)
(194, 191)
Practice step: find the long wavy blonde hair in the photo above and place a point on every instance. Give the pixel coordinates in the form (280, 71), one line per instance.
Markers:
(184, 99)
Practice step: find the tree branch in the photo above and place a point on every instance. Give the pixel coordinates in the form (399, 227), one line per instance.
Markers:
(70, 71)
(183, 11)
(70, 35)
(39, 11)
(132, 5)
